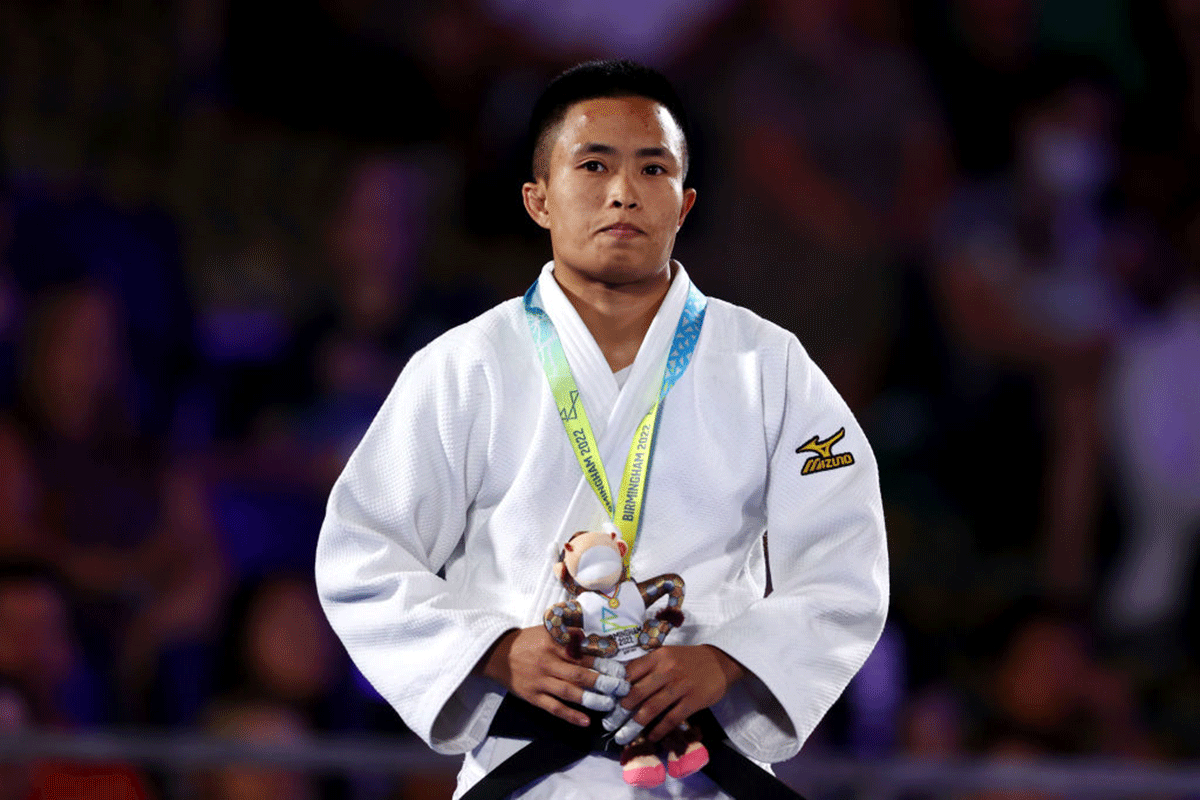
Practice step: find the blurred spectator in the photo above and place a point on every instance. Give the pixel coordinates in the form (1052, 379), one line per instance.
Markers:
(257, 722)
(305, 406)
(934, 725)
(39, 650)
(49, 780)
(19, 534)
(129, 531)
(982, 58)
(985, 55)
(68, 233)
(1047, 693)
(1152, 397)
(383, 305)
(277, 647)
(381, 308)
(16, 715)
(837, 162)
(1030, 303)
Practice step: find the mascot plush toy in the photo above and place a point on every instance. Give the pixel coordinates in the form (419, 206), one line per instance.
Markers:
(607, 618)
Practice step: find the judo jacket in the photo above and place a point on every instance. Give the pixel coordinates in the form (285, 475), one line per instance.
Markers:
(441, 533)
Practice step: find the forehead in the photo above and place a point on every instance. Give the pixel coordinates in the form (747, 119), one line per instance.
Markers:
(633, 122)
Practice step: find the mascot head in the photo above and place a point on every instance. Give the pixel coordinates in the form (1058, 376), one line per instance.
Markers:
(592, 561)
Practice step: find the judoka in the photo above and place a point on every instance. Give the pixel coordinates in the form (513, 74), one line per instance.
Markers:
(613, 393)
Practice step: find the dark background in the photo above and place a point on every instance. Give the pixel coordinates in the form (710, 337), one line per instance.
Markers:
(224, 227)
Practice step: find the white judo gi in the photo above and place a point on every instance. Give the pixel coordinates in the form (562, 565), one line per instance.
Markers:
(440, 534)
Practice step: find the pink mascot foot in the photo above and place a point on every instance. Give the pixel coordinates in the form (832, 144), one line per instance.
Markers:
(693, 759)
(645, 777)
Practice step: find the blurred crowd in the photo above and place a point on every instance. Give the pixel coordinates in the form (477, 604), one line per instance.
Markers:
(224, 227)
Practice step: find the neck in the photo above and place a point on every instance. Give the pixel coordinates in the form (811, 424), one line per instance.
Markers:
(616, 314)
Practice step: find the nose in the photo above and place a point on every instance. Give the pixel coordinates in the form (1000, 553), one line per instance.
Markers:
(622, 193)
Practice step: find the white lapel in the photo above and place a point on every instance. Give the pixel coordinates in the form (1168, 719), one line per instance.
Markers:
(595, 380)
(645, 378)
(614, 412)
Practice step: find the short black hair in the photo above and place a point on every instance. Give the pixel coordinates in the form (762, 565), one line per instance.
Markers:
(592, 79)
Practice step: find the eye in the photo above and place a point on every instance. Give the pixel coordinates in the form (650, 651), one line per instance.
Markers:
(592, 166)
(655, 169)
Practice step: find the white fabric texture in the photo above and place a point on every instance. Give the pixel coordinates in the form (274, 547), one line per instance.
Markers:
(441, 532)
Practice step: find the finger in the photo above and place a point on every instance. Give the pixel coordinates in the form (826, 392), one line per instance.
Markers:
(662, 703)
(643, 689)
(628, 732)
(574, 674)
(670, 721)
(639, 668)
(561, 655)
(556, 707)
(612, 686)
(572, 693)
(597, 701)
(590, 679)
(616, 718)
(609, 666)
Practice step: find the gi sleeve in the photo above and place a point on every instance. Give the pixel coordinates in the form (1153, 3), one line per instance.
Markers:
(829, 569)
(395, 515)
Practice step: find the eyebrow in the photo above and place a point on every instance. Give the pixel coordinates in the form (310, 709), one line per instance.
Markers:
(608, 150)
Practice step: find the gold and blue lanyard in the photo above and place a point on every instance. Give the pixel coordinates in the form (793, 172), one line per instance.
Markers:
(627, 516)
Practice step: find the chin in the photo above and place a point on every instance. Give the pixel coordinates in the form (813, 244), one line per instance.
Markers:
(621, 270)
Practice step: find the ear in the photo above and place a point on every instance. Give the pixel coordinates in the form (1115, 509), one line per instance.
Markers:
(689, 200)
(559, 568)
(622, 548)
(567, 547)
(534, 195)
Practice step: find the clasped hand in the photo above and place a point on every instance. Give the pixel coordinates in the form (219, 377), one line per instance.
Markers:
(675, 681)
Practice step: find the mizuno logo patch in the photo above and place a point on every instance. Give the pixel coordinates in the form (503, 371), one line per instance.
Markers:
(825, 457)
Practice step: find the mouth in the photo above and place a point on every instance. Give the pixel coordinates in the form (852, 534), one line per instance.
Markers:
(623, 230)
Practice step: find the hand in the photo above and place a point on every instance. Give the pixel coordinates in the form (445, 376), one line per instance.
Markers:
(678, 679)
(537, 669)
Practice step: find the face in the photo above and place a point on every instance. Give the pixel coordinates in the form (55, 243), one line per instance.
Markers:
(1040, 676)
(613, 197)
(76, 360)
(289, 645)
(1066, 147)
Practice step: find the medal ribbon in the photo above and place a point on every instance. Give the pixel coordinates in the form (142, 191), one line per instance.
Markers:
(625, 509)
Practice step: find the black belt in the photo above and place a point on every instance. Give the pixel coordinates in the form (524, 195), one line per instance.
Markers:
(557, 744)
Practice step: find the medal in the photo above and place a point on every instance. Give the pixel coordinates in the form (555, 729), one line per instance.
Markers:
(613, 600)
